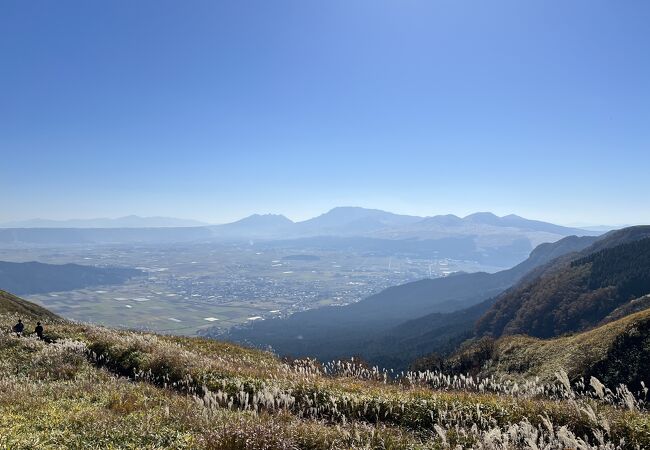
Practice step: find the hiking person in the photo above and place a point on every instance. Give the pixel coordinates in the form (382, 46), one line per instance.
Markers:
(39, 331)
(19, 327)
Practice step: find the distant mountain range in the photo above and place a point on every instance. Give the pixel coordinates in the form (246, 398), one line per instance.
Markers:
(482, 237)
(355, 221)
(255, 227)
(120, 222)
(340, 221)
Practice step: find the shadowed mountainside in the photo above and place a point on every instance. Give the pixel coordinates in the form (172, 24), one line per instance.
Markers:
(368, 328)
(577, 294)
(600, 285)
(34, 277)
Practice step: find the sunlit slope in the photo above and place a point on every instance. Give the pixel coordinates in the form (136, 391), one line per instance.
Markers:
(10, 304)
(101, 388)
(616, 352)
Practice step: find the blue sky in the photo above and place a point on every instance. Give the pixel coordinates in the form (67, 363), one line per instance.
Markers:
(214, 110)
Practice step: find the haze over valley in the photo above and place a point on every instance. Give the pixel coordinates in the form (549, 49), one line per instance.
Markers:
(207, 279)
(325, 225)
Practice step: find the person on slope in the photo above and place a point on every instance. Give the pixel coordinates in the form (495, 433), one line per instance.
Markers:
(19, 327)
(39, 331)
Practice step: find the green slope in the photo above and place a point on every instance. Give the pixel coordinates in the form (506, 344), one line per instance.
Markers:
(616, 352)
(102, 388)
(10, 304)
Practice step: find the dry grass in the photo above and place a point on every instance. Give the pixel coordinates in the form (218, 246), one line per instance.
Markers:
(101, 388)
(574, 354)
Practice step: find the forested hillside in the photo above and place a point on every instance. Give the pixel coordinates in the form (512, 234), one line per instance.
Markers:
(572, 296)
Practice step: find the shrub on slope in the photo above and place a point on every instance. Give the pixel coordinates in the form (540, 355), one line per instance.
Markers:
(617, 352)
(10, 304)
(104, 388)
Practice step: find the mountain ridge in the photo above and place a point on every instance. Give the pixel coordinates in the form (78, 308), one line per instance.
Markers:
(490, 240)
(516, 311)
(576, 293)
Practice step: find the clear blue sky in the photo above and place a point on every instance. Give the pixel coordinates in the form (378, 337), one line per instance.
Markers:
(214, 110)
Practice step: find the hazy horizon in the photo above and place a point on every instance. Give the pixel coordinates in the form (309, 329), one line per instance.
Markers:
(325, 224)
(214, 111)
(300, 219)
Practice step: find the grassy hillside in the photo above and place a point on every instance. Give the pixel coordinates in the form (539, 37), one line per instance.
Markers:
(10, 304)
(616, 352)
(101, 388)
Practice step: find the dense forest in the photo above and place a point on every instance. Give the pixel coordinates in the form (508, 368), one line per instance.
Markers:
(573, 297)
(625, 266)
